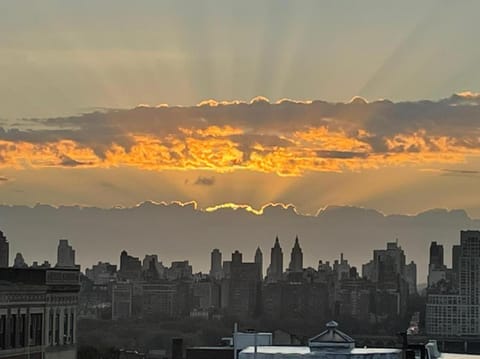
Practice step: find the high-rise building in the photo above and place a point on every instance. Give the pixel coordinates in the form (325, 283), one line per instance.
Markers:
(152, 268)
(19, 262)
(4, 251)
(341, 268)
(130, 267)
(65, 255)
(436, 255)
(386, 264)
(241, 287)
(275, 270)
(411, 277)
(453, 309)
(216, 270)
(437, 271)
(296, 258)
(456, 250)
(259, 260)
(387, 271)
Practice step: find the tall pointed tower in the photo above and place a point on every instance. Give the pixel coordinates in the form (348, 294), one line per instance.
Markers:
(259, 260)
(275, 270)
(296, 258)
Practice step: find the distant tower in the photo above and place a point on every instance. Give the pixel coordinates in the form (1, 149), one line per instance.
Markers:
(237, 257)
(19, 262)
(275, 270)
(296, 258)
(259, 260)
(65, 254)
(216, 270)
(436, 255)
(4, 251)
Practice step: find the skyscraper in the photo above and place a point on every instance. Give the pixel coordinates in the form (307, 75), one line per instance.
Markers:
(19, 262)
(4, 251)
(436, 255)
(296, 258)
(437, 271)
(65, 254)
(259, 260)
(411, 277)
(216, 270)
(130, 267)
(275, 270)
(454, 310)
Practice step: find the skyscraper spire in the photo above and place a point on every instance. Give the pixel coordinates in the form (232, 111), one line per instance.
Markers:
(275, 270)
(296, 258)
(259, 260)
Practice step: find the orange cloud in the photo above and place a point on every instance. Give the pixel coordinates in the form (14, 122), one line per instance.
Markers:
(287, 138)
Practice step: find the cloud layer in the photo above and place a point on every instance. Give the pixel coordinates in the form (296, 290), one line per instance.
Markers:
(288, 137)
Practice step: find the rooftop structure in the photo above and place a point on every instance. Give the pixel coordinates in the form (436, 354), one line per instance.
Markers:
(331, 343)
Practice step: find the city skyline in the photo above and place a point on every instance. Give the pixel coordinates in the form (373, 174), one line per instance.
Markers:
(173, 169)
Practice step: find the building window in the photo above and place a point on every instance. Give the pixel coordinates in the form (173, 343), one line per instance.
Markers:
(13, 330)
(3, 320)
(72, 326)
(22, 329)
(36, 329)
(57, 328)
(50, 328)
(65, 328)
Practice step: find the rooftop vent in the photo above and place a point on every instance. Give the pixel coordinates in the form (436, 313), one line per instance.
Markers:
(331, 339)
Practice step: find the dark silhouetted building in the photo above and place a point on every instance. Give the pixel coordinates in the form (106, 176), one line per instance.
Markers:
(241, 287)
(259, 260)
(206, 298)
(130, 267)
(65, 255)
(216, 264)
(180, 270)
(275, 270)
(19, 262)
(296, 258)
(436, 255)
(411, 277)
(295, 300)
(160, 300)
(4, 251)
(102, 273)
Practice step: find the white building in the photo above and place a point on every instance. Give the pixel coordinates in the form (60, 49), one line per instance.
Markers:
(331, 344)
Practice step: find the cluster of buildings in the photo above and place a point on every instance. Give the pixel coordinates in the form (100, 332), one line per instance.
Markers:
(237, 287)
(38, 306)
(40, 303)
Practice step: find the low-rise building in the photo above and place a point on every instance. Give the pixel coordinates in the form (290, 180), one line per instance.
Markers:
(38, 312)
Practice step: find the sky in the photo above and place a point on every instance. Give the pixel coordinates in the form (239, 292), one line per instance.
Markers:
(314, 103)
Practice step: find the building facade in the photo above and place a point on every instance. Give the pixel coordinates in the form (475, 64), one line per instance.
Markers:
(38, 313)
(453, 305)
(4, 251)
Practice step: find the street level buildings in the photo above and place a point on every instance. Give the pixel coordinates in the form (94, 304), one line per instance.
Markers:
(38, 313)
